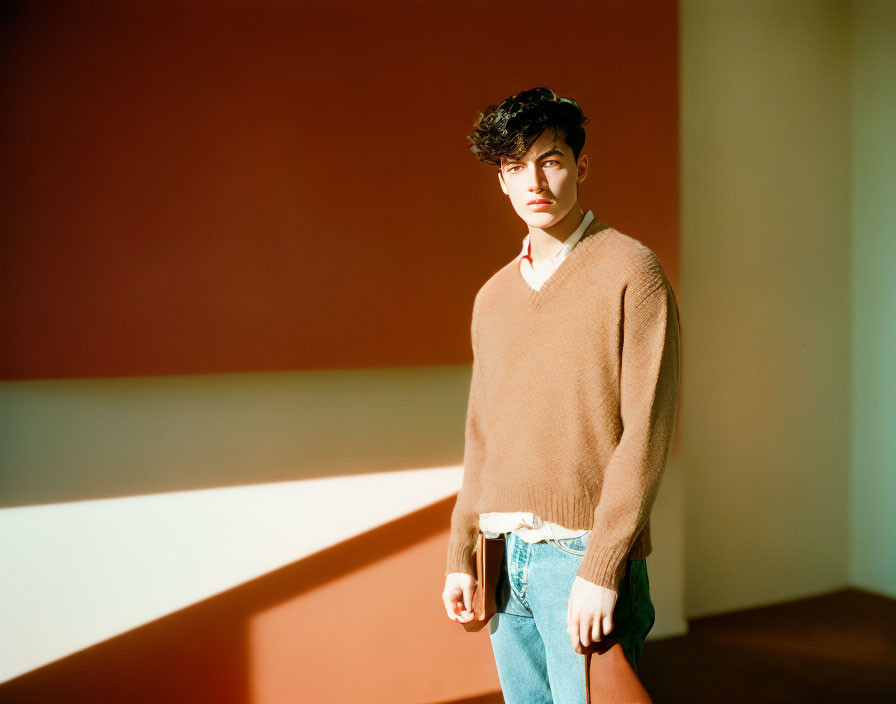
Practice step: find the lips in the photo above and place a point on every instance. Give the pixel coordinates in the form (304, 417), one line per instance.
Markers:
(538, 201)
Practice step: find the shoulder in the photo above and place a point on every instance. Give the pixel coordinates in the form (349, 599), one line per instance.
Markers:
(637, 265)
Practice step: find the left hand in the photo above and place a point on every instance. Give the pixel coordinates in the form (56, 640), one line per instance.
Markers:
(590, 613)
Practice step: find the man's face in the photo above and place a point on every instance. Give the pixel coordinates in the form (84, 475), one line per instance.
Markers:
(547, 172)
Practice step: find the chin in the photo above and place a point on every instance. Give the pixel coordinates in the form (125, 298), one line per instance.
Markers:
(535, 219)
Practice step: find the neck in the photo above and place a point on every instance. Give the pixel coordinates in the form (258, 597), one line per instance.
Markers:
(545, 241)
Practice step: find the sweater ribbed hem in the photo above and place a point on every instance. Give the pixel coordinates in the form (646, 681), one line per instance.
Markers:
(604, 566)
(574, 511)
(643, 545)
(569, 510)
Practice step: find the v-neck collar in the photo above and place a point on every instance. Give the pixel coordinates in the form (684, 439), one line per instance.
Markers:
(566, 247)
(536, 297)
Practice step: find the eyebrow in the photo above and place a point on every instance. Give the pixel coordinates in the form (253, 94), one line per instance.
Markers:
(551, 152)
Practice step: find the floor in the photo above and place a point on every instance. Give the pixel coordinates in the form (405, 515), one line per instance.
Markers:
(839, 647)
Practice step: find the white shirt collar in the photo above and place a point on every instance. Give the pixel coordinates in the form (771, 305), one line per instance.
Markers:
(568, 244)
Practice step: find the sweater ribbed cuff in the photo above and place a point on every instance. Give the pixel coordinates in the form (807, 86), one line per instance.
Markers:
(460, 559)
(604, 566)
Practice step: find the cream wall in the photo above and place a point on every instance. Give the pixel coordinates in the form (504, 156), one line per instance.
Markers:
(789, 383)
(766, 299)
(872, 563)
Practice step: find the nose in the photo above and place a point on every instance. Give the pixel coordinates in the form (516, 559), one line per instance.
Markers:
(536, 179)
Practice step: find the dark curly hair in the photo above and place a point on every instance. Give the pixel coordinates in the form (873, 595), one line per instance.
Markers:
(509, 128)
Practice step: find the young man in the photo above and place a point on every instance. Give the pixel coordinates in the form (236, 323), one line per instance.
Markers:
(571, 414)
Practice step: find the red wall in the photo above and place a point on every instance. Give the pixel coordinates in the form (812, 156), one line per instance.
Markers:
(198, 187)
(220, 187)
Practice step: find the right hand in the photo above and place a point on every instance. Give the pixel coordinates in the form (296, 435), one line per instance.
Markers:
(458, 596)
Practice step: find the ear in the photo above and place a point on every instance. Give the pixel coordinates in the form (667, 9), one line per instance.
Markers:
(581, 167)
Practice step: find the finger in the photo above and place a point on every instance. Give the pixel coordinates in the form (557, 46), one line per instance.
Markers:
(595, 631)
(585, 628)
(572, 629)
(457, 607)
(449, 603)
(468, 598)
(460, 615)
(608, 624)
(575, 617)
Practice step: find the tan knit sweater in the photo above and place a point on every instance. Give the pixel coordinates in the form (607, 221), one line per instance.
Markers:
(525, 524)
(573, 400)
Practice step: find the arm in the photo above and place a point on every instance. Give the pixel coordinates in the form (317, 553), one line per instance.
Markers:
(649, 386)
(465, 517)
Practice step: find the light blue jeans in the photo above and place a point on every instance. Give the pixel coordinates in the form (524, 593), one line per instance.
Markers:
(535, 659)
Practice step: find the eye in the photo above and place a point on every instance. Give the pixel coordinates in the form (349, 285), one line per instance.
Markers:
(551, 161)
